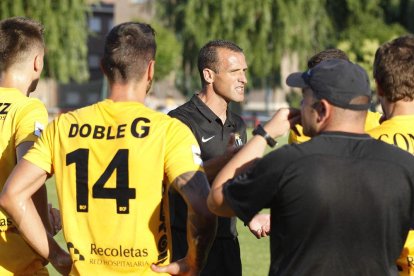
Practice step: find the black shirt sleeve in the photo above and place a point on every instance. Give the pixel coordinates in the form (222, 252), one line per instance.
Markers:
(253, 190)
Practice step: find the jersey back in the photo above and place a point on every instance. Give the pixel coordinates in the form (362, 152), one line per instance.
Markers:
(399, 131)
(113, 163)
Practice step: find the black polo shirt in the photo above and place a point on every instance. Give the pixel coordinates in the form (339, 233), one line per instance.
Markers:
(212, 136)
(341, 204)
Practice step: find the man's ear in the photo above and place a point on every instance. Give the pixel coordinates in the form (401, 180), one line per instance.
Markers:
(324, 109)
(38, 63)
(151, 70)
(208, 75)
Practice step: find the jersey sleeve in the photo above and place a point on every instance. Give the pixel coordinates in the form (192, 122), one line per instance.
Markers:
(32, 119)
(183, 153)
(254, 190)
(41, 153)
(182, 117)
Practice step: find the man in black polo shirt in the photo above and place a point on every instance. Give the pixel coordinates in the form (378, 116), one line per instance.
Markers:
(341, 203)
(219, 132)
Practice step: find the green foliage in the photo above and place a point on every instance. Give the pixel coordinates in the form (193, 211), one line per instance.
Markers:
(66, 34)
(266, 30)
(168, 56)
(269, 29)
(399, 11)
(365, 31)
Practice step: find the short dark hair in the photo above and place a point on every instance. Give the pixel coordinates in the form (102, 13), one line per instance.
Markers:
(208, 57)
(129, 47)
(325, 55)
(18, 36)
(394, 68)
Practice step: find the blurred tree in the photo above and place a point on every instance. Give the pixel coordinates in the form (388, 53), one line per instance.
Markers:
(362, 29)
(274, 32)
(399, 11)
(66, 33)
(168, 51)
(266, 30)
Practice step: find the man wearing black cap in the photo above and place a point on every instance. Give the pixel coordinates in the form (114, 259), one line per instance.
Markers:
(341, 203)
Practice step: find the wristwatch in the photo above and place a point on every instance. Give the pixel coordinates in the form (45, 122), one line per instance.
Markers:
(259, 130)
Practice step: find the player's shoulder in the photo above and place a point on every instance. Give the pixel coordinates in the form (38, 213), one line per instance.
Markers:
(28, 103)
(28, 109)
(183, 110)
(185, 113)
(386, 127)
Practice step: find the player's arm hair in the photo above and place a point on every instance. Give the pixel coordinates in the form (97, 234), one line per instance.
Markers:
(40, 196)
(201, 223)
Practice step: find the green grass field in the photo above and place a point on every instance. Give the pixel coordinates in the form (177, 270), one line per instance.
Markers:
(255, 253)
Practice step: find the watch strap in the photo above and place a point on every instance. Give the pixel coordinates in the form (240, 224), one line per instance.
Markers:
(259, 130)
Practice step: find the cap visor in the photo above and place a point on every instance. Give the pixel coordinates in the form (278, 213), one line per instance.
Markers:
(296, 80)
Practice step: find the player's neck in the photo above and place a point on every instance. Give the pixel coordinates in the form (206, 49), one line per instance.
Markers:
(12, 80)
(399, 108)
(215, 102)
(127, 92)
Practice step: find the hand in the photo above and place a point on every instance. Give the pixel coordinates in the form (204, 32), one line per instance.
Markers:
(33, 267)
(54, 218)
(180, 267)
(282, 121)
(62, 262)
(260, 225)
(231, 147)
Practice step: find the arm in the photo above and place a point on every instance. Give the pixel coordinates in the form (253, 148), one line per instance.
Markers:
(201, 225)
(276, 127)
(40, 196)
(16, 200)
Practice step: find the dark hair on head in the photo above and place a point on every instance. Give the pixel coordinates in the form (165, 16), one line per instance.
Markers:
(18, 37)
(208, 57)
(394, 68)
(128, 50)
(325, 55)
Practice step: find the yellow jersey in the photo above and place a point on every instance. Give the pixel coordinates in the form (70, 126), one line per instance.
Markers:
(113, 162)
(399, 131)
(21, 120)
(372, 121)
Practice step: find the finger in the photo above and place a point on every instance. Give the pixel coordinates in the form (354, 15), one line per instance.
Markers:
(295, 130)
(172, 268)
(257, 233)
(34, 267)
(55, 220)
(232, 140)
(294, 117)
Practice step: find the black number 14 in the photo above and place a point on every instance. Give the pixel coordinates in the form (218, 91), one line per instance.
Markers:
(122, 193)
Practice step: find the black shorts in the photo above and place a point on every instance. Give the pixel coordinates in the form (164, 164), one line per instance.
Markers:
(223, 259)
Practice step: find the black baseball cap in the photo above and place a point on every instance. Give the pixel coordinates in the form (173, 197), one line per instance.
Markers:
(336, 80)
